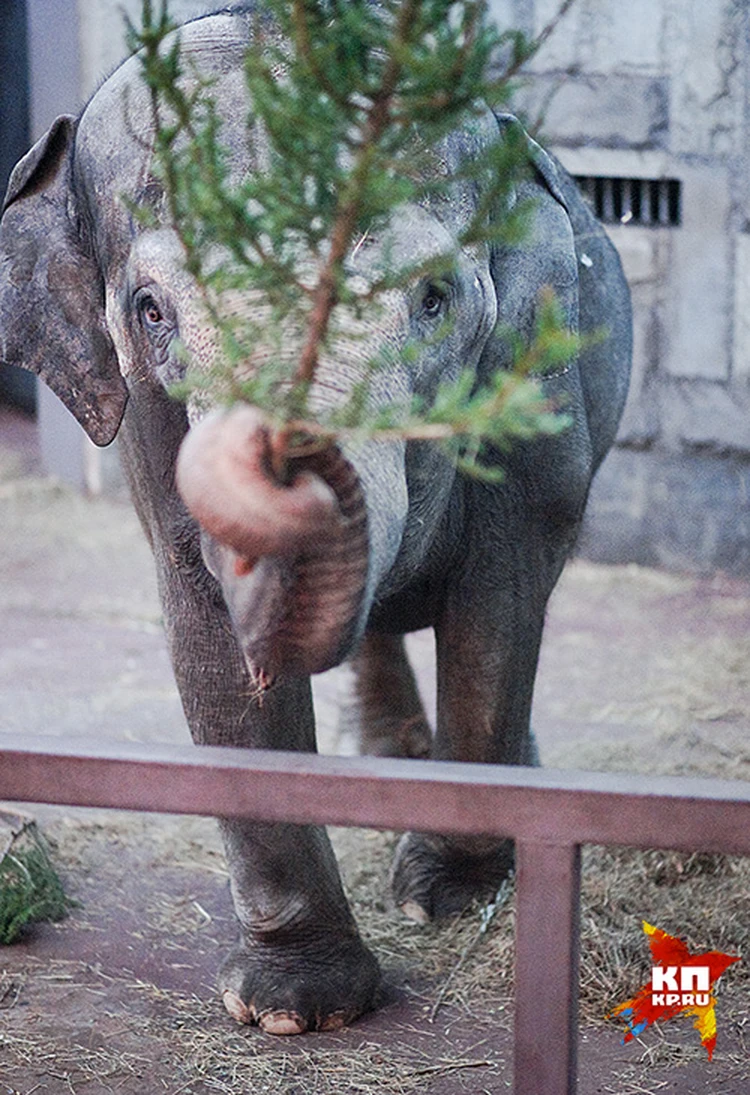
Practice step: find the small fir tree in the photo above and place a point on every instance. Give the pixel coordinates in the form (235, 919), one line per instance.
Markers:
(30, 890)
(368, 90)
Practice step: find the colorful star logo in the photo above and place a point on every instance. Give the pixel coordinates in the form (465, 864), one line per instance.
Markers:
(680, 984)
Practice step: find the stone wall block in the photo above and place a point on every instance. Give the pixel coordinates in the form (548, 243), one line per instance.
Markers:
(701, 416)
(704, 45)
(561, 50)
(610, 111)
(741, 319)
(643, 256)
(686, 513)
(699, 282)
(601, 35)
(640, 426)
(513, 15)
(641, 253)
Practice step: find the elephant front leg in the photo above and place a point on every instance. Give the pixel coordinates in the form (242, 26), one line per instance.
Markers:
(487, 652)
(300, 964)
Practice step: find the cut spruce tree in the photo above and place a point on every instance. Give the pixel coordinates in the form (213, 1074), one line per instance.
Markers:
(352, 100)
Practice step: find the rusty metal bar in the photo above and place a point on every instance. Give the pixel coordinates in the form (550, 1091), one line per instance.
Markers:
(532, 804)
(545, 1041)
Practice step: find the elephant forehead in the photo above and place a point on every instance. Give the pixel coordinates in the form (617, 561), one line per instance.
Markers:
(119, 114)
(114, 144)
(158, 253)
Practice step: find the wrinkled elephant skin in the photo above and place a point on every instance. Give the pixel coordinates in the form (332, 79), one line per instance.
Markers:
(277, 579)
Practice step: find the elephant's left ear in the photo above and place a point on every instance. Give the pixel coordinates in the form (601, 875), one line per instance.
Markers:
(52, 306)
(553, 178)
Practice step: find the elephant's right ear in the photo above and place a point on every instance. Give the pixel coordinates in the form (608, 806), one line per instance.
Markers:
(52, 318)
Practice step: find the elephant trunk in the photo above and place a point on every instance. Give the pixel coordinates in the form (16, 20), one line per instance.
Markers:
(291, 558)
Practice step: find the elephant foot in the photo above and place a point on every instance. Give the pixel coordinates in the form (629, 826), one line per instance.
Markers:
(297, 992)
(432, 879)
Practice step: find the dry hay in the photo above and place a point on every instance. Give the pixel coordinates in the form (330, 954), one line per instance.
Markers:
(230, 1061)
(460, 970)
(433, 960)
(689, 691)
(115, 1043)
(204, 1053)
(702, 898)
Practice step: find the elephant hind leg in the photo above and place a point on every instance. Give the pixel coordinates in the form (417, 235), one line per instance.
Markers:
(384, 713)
(487, 648)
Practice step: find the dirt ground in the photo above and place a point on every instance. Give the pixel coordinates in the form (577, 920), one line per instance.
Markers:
(641, 671)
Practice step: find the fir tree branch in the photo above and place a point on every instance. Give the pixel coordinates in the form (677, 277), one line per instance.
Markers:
(342, 155)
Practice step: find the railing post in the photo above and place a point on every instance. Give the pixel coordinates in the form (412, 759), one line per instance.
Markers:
(546, 970)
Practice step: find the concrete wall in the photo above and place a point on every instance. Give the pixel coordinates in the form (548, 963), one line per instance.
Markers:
(650, 89)
(102, 32)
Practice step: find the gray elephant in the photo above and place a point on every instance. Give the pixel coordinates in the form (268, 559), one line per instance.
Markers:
(362, 547)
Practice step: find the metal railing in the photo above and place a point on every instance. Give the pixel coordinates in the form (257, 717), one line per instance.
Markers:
(549, 814)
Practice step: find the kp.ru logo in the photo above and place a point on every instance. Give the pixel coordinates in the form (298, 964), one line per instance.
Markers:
(692, 990)
(680, 983)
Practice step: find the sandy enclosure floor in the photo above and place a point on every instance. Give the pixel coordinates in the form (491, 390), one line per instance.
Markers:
(641, 671)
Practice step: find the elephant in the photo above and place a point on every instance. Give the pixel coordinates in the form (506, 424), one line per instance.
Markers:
(264, 583)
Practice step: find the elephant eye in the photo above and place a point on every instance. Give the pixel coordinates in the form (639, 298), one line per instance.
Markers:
(433, 301)
(149, 310)
(157, 324)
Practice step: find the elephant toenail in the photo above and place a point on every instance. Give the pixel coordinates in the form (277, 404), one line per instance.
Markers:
(414, 911)
(237, 1008)
(335, 1021)
(282, 1022)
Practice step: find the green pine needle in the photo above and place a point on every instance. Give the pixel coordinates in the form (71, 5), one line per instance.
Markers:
(30, 890)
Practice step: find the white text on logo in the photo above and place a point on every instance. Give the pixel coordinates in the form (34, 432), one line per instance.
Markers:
(691, 990)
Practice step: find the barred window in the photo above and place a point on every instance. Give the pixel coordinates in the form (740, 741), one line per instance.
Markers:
(654, 202)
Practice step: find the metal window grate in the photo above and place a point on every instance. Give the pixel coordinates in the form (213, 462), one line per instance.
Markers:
(652, 202)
